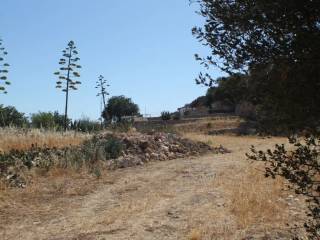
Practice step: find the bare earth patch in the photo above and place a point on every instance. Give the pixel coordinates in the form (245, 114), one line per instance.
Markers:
(208, 197)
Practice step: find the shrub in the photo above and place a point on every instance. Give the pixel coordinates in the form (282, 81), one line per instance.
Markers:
(176, 116)
(10, 116)
(48, 120)
(165, 115)
(86, 125)
(113, 148)
(301, 167)
(108, 147)
(123, 126)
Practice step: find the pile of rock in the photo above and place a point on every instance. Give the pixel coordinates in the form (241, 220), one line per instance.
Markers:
(131, 149)
(141, 148)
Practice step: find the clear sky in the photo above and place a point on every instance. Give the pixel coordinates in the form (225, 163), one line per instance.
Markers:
(144, 48)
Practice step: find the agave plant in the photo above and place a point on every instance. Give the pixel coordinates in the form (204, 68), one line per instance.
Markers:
(102, 85)
(3, 70)
(67, 74)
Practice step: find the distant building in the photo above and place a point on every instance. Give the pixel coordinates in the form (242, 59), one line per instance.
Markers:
(135, 118)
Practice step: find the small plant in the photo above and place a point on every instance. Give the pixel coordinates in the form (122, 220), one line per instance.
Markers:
(113, 148)
(165, 115)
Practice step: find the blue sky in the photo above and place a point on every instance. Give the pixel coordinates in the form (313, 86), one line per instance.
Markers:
(144, 48)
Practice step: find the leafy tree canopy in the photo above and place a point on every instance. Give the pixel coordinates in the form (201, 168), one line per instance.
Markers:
(276, 43)
(254, 32)
(48, 120)
(10, 116)
(118, 107)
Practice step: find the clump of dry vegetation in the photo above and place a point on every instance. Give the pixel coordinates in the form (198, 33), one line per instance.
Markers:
(24, 139)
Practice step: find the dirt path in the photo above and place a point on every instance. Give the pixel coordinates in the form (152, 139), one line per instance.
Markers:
(162, 200)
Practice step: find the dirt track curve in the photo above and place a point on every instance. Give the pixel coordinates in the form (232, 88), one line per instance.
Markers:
(161, 200)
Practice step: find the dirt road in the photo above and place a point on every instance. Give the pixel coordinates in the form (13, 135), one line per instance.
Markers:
(177, 199)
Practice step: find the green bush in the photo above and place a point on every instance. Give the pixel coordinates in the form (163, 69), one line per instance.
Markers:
(86, 125)
(109, 147)
(10, 116)
(176, 116)
(165, 115)
(48, 120)
(113, 148)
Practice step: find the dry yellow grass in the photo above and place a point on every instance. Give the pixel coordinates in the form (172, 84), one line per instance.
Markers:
(208, 124)
(253, 200)
(195, 235)
(20, 139)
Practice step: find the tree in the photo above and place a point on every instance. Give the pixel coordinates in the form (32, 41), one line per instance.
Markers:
(85, 125)
(199, 102)
(276, 44)
(232, 90)
(165, 115)
(59, 120)
(48, 120)
(118, 107)
(43, 120)
(254, 32)
(102, 89)
(3, 69)
(67, 73)
(10, 116)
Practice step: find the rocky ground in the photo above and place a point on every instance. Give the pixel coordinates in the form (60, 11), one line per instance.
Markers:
(143, 148)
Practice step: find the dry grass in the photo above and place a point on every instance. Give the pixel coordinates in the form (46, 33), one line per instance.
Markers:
(255, 203)
(21, 139)
(208, 124)
(195, 235)
(214, 197)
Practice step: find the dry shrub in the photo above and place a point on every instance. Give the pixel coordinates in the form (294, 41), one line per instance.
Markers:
(23, 139)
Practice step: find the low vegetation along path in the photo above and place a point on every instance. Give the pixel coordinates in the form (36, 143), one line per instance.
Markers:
(177, 199)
